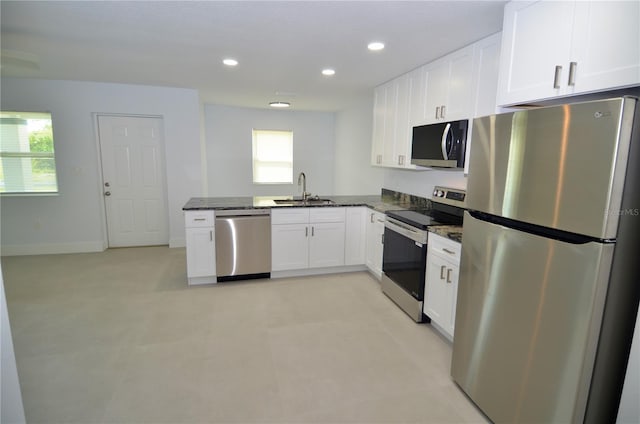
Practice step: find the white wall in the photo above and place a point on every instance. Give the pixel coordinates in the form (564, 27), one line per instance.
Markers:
(229, 150)
(73, 221)
(354, 173)
(11, 409)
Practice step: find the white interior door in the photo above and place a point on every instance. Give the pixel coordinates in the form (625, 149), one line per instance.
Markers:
(133, 172)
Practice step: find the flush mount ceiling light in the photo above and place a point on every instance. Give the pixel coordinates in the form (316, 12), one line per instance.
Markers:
(230, 62)
(328, 72)
(280, 104)
(375, 46)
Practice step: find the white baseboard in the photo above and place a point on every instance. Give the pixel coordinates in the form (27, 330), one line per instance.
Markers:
(317, 271)
(52, 248)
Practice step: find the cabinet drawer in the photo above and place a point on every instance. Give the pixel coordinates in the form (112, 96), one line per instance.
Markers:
(318, 215)
(290, 216)
(196, 219)
(444, 247)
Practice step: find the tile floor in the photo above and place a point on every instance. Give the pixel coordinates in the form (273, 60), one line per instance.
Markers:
(118, 337)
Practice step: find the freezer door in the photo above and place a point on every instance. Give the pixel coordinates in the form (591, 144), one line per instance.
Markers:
(528, 314)
(560, 167)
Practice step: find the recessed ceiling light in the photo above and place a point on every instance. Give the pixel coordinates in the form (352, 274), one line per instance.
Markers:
(375, 46)
(328, 72)
(280, 104)
(230, 62)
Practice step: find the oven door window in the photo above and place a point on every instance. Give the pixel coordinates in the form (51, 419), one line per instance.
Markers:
(404, 261)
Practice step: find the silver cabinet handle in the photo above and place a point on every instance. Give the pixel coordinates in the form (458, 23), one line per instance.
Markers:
(444, 249)
(107, 184)
(313, 232)
(371, 218)
(107, 193)
(210, 235)
(442, 111)
(199, 219)
(442, 267)
(437, 111)
(306, 231)
(556, 77)
(379, 159)
(449, 275)
(382, 238)
(572, 73)
(400, 159)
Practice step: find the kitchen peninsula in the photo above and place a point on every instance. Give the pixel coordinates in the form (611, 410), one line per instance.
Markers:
(335, 234)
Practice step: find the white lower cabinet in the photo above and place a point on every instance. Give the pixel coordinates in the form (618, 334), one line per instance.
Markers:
(289, 246)
(441, 282)
(326, 244)
(355, 236)
(307, 238)
(201, 247)
(374, 242)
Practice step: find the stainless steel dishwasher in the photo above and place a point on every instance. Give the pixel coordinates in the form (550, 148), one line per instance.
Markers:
(243, 244)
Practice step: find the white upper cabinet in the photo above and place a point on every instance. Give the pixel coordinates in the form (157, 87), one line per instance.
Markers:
(391, 145)
(417, 97)
(606, 45)
(486, 62)
(560, 48)
(377, 145)
(449, 87)
(457, 86)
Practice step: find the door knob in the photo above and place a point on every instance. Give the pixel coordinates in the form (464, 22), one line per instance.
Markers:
(107, 193)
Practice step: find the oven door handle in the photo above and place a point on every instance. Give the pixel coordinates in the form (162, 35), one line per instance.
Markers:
(405, 230)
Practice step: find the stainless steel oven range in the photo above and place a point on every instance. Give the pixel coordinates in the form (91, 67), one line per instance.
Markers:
(404, 255)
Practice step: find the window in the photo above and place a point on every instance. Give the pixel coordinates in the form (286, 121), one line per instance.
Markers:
(272, 157)
(27, 161)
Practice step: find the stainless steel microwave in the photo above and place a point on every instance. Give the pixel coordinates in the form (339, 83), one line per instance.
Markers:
(440, 145)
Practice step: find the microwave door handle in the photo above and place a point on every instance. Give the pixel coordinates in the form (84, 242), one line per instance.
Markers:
(445, 155)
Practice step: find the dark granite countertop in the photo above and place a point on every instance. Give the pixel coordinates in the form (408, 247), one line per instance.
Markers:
(452, 232)
(379, 203)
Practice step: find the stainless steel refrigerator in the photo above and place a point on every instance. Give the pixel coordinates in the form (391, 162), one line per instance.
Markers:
(550, 269)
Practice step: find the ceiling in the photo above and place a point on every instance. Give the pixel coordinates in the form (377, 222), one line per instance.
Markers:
(281, 46)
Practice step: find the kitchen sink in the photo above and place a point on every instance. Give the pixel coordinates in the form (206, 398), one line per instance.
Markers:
(300, 202)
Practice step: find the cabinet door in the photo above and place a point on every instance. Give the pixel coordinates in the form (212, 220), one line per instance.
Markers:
(486, 64)
(451, 279)
(402, 148)
(326, 245)
(436, 83)
(377, 143)
(375, 232)
(436, 295)
(389, 140)
(355, 231)
(536, 39)
(201, 253)
(289, 246)
(605, 45)
(459, 100)
(417, 95)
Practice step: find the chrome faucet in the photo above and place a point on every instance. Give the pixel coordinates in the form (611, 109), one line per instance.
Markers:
(302, 179)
